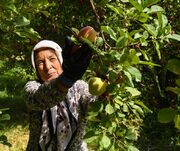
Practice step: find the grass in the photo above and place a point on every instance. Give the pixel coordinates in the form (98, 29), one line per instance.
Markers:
(16, 129)
(17, 137)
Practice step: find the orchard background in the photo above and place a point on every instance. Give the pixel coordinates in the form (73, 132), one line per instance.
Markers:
(137, 53)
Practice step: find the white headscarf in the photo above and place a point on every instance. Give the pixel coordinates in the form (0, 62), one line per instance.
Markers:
(47, 44)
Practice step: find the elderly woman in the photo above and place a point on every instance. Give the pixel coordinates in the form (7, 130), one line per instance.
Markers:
(57, 100)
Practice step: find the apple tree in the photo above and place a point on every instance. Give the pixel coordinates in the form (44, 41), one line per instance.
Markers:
(136, 54)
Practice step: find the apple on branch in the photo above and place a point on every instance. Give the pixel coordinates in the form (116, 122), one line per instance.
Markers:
(86, 32)
(89, 33)
(97, 86)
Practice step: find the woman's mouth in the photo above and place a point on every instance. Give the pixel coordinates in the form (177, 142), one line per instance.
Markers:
(52, 75)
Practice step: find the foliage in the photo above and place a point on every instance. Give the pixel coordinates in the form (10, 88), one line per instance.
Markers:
(135, 35)
(137, 54)
(3, 117)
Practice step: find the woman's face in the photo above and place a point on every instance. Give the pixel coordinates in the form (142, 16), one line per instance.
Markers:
(47, 64)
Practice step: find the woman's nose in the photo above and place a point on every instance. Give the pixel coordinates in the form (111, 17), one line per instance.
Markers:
(48, 65)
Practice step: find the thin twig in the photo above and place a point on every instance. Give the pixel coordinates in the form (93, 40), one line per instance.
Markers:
(94, 11)
(98, 21)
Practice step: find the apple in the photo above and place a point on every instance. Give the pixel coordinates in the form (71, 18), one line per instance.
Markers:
(97, 86)
(89, 33)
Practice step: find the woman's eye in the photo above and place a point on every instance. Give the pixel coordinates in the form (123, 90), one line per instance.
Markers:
(52, 59)
(39, 63)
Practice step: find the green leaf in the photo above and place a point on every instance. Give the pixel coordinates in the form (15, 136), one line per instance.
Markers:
(162, 20)
(148, 3)
(178, 82)
(144, 55)
(176, 90)
(22, 21)
(133, 91)
(133, 58)
(27, 33)
(151, 29)
(8, 5)
(112, 148)
(138, 109)
(137, 35)
(143, 17)
(122, 41)
(136, 5)
(5, 117)
(116, 10)
(143, 42)
(12, 7)
(103, 2)
(128, 75)
(118, 101)
(45, 13)
(96, 106)
(135, 72)
(109, 109)
(166, 115)
(145, 108)
(113, 75)
(157, 49)
(173, 65)
(110, 31)
(155, 9)
(4, 109)
(112, 127)
(131, 134)
(174, 37)
(89, 134)
(132, 148)
(99, 41)
(121, 115)
(124, 58)
(39, 3)
(148, 63)
(135, 32)
(5, 2)
(94, 110)
(177, 121)
(145, 35)
(105, 141)
(91, 139)
(125, 108)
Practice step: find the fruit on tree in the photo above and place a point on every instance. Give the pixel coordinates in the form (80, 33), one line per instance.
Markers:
(89, 33)
(97, 86)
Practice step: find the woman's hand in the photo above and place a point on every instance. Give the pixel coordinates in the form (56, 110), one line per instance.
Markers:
(74, 64)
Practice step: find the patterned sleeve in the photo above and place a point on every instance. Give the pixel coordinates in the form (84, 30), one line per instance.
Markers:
(42, 96)
(85, 97)
(83, 88)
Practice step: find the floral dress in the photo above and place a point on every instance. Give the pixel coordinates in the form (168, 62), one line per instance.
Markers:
(57, 119)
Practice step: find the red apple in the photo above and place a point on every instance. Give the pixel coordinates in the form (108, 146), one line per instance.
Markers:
(89, 33)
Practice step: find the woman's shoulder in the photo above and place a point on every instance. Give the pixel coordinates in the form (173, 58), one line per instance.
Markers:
(34, 84)
(81, 87)
(81, 83)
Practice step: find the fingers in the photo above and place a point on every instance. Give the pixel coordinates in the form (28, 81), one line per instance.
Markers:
(67, 48)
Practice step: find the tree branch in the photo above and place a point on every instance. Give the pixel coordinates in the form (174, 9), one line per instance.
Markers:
(99, 23)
